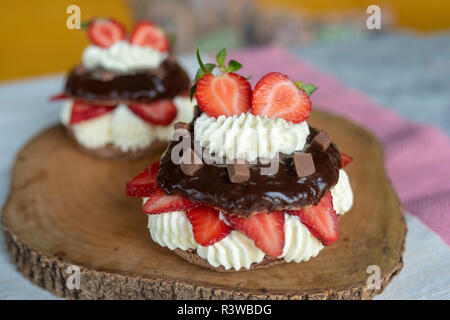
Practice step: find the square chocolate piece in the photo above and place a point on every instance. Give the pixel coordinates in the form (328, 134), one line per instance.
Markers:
(190, 162)
(304, 164)
(322, 139)
(238, 171)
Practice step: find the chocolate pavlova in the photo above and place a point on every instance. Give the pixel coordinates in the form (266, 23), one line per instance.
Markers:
(122, 99)
(248, 183)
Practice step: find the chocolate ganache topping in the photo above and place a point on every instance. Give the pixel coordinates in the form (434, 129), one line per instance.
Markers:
(282, 190)
(99, 84)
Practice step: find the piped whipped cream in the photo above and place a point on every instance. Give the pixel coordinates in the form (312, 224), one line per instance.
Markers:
(122, 128)
(342, 194)
(123, 57)
(248, 136)
(174, 230)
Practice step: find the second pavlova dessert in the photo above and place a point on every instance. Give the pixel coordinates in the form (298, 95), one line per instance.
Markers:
(124, 96)
(248, 183)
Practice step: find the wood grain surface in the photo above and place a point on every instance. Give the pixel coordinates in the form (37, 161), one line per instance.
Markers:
(68, 208)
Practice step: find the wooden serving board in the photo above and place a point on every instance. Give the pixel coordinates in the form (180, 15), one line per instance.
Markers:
(68, 208)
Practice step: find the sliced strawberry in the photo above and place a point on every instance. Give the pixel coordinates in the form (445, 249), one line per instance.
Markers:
(161, 112)
(159, 202)
(227, 94)
(147, 34)
(207, 226)
(82, 111)
(321, 220)
(277, 96)
(104, 32)
(59, 96)
(144, 183)
(265, 229)
(346, 159)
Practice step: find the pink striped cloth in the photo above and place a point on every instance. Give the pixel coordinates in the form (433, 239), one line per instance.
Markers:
(417, 156)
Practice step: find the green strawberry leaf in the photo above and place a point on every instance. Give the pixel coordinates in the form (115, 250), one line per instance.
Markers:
(200, 72)
(192, 91)
(172, 38)
(307, 87)
(220, 58)
(200, 62)
(85, 24)
(233, 65)
(210, 67)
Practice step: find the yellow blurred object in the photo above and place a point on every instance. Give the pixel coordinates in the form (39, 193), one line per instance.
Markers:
(35, 39)
(414, 14)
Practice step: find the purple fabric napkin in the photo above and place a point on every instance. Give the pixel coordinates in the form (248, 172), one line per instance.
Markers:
(417, 156)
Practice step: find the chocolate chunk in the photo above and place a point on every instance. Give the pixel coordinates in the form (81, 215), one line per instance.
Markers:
(190, 162)
(304, 164)
(322, 139)
(238, 171)
(181, 125)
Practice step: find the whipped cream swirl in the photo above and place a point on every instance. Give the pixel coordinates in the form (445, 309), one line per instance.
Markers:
(342, 194)
(123, 57)
(248, 136)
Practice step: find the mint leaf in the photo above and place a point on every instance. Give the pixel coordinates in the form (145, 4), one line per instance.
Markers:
(233, 65)
(220, 58)
(309, 88)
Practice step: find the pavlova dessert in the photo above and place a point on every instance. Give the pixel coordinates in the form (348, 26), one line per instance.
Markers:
(124, 96)
(248, 183)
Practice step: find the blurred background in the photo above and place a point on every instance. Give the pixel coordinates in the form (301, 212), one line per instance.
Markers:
(35, 39)
(410, 51)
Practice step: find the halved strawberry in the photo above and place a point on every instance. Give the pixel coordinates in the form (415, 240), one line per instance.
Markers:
(277, 96)
(59, 96)
(148, 34)
(144, 183)
(82, 111)
(346, 159)
(207, 226)
(321, 220)
(265, 229)
(104, 32)
(159, 202)
(161, 112)
(227, 94)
